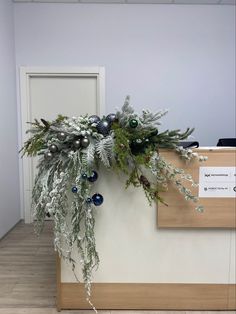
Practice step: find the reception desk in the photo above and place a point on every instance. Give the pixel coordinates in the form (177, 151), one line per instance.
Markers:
(160, 258)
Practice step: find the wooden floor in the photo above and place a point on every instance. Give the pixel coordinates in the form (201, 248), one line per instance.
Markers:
(27, 275)
(27, 268)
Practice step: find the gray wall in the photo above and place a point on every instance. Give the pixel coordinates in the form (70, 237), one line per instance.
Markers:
(180, 57)
(9, 181)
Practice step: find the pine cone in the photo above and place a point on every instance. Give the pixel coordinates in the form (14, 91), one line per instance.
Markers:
(144, 181)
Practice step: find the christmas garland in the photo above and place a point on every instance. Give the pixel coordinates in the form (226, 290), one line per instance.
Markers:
(71, 150)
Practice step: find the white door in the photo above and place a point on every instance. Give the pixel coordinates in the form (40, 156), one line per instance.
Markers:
(47, 92)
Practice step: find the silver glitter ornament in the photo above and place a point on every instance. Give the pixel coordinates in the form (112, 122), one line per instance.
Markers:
(94, 119)
(53, 148)
(76, 144)
(85, 142)
(61, 136)
(48, 155)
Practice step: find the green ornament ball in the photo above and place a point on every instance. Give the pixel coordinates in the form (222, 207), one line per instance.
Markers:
(133, 123)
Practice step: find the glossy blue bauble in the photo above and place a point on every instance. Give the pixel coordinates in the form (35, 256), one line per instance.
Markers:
(97, 199)
(74, 189)
(111, 117)
(93, 177)
(104, 127)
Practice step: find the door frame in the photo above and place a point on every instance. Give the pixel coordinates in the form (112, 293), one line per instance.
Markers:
(26, 73)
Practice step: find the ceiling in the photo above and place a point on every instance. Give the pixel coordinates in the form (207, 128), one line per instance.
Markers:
(213, 2)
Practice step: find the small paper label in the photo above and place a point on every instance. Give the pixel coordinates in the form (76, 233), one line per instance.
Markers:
(217, 182)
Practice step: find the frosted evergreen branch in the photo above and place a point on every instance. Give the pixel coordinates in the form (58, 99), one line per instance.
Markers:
(105, 150)
(70, 150)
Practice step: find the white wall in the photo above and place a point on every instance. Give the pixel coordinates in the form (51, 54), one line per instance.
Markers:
(180, 57)
(9, 181)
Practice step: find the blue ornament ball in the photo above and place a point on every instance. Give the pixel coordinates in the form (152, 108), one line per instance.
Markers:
(74, 189)
(97, 199)
(111, 117)
(93, 177)
(104, 127)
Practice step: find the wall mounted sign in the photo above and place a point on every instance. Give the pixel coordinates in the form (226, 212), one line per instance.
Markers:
(217, 182)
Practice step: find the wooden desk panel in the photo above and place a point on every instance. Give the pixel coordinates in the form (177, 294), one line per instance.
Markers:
(218, 212)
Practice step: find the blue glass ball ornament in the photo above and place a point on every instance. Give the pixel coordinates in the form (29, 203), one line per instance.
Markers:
(84, 176)
(93, 177)
(94, 119)
(111, 117)
(89, 200)
(97, 199)
(74, 189)
(137, 146)
(103, 127)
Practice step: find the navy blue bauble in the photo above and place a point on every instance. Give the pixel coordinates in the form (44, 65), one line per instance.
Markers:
(103, 127)
(97, 199)
(89, 200)
(137, 146)
(74, 189)
(111, 117)
(84, 176)
(93, 177)
(94, 119)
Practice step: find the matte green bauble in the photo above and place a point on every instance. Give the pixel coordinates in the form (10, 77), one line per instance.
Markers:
(133, 123)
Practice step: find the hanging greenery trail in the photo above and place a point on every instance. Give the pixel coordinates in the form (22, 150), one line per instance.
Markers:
(71, 150)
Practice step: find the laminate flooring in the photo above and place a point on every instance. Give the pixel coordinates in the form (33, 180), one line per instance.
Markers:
(28, 275)
(27, 268)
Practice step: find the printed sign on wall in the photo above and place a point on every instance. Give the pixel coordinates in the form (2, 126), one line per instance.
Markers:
(217, 182)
